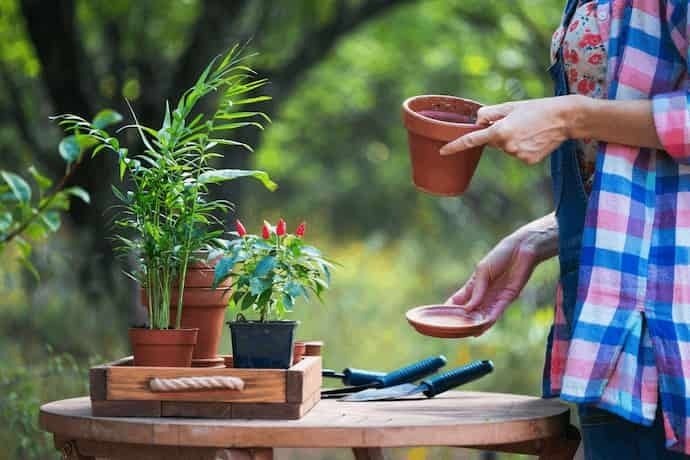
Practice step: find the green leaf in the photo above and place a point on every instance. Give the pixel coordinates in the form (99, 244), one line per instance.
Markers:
(222, 270)
(20, 189)
(26, 262)
(106, 118)
(222, 175)
(266, 264)
(252, 100)
(42, 181)
(259, 285)
(123, 167)
(36, 230)
(247, 301)
(326, 272)
(166, 119)
(118, 194)
(24, 247)
(288, 302)
(58, 201)
(69, 149)
(52, 220)
(294, 289)
(86, 141)
(79, 193)
(5, 221)
(264, 298)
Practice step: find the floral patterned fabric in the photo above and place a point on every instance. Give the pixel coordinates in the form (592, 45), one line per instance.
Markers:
(584, 58)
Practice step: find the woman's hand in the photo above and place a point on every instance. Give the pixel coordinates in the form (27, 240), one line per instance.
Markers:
(529, 130)
(504, 271)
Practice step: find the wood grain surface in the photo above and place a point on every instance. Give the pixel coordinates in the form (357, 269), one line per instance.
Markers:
(452, 419)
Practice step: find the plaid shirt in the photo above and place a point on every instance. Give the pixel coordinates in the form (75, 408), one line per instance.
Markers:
(631, 335)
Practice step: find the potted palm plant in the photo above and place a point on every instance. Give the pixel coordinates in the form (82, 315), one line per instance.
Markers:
(269, 272)
(167, 218)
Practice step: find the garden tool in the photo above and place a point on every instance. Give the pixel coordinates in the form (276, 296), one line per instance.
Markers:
(429, 387)
(359, 379)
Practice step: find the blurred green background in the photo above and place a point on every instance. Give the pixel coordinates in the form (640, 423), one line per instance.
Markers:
(339, 70)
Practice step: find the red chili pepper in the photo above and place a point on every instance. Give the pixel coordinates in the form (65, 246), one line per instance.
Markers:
(281, 228)
(266, 231)
(301, 228)
(240, 228)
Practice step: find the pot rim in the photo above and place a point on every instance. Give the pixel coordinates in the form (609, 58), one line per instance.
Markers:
(408, 109)
(262, 323)
(163, 337)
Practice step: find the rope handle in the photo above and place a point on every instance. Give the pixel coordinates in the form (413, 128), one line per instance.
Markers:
(196, 383)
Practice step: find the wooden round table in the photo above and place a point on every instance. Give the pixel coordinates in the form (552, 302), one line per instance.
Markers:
(488, 421)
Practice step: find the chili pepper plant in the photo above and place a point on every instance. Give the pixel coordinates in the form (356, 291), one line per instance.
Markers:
(269, 273)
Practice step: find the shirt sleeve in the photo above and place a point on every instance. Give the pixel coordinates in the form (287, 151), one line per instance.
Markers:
(672, 110)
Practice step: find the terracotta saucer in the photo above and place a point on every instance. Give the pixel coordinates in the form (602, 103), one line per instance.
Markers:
(445, 321)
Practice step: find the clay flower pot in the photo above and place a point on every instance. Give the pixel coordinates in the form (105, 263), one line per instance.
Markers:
(432, 122)
(203, 308)
(298, 350)
(163, 347)
(313, 348)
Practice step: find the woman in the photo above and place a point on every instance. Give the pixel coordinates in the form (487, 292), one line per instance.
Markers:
(619, 130)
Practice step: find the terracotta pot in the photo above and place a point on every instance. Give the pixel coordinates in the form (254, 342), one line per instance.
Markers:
(298, 350)
(163, 347)
(313, 348)
(203, 308)
(208, 362)
(432, 122)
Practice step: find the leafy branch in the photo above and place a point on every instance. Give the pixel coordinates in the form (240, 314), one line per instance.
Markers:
(29, 214)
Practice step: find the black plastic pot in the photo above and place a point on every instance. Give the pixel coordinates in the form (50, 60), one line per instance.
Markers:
(266, 345)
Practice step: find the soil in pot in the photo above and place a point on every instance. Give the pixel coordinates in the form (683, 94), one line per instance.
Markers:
(262, 345)
(432, 122)
(163, 347)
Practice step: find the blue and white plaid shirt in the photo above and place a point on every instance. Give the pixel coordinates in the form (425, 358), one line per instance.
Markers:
(631, 338)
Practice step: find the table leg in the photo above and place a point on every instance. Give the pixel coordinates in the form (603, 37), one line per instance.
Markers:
(69, 450)
(368, 453)
(262, 454)
(563, 448)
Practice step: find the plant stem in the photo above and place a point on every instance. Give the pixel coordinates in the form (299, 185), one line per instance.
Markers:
(183, 270)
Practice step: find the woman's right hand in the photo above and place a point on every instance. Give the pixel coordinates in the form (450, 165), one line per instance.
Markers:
(502, 274)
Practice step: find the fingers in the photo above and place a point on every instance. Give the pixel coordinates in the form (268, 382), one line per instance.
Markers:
(491, 113)
(463, 294)
(492, 315)
(479, 288)
(468, 141)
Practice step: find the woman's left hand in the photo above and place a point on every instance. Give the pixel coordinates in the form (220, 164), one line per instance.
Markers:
(529, 130)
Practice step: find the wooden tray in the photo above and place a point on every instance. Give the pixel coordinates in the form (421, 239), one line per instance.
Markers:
(120, 389)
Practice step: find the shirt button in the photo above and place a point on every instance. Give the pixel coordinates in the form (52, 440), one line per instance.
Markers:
(602, 15)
